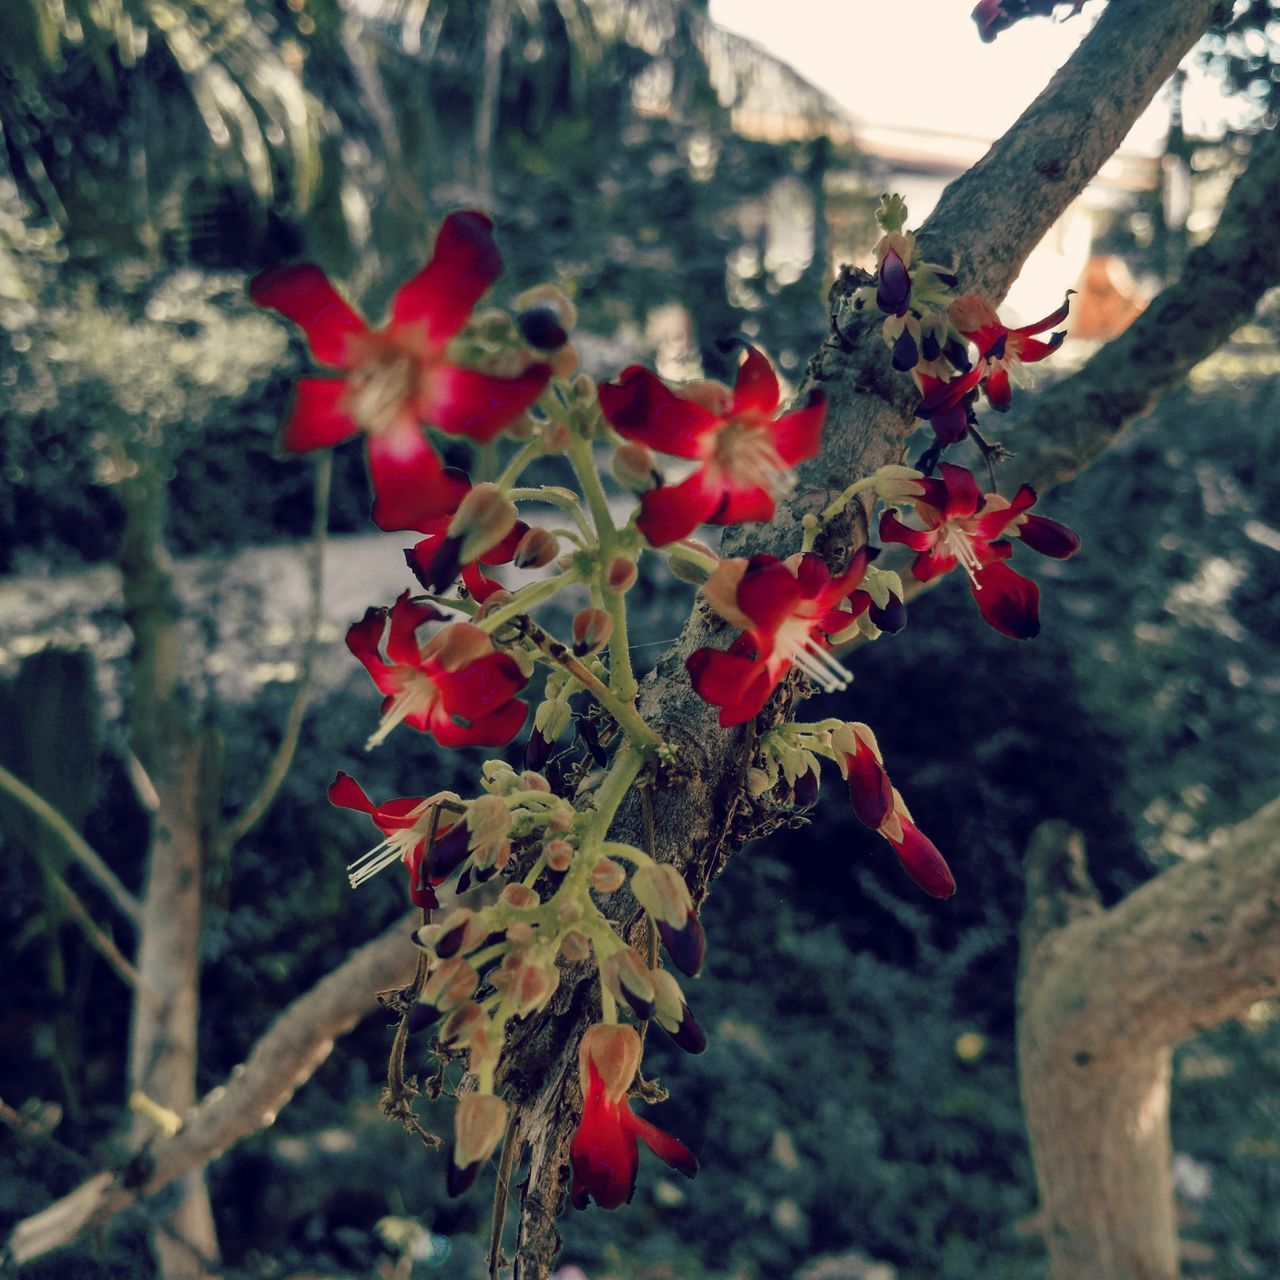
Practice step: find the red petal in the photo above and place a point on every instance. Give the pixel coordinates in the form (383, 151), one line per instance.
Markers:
(1008, 601)
(402, 639)
(480, 687)
(463, 265)
(1032, 349)
(671, 1151)
(812, 576)
(467, 403)
(304, 295)
(504, 551)
(739, 506)
(603, 1152)
(930, 564)
(757, 385)
(642, 407)
(672, 511)
(478, 586)
(798, 435)
(893, 530)
(999, 390)
(347, 793)
(493, 730)
(317, 419)
(409, 483)
(870, 791)
(963, 495)
(1055, 317)
(737, 685)
(922, 861)
(768, 595)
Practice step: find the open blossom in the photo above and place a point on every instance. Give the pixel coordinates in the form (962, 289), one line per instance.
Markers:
(400, 377)
(786, 609)
(967, 528)
(456, 687)
(745, 454)
(1004, 351)
(605, 1154)
(405, 823)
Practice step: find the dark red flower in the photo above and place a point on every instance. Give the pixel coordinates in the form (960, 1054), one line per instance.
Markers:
(1004, 350)
(604, 1154)
(962, 527)
(746, 455)
(400, 377)
(405, 824)
(945, 404)
(435, 561)
(917, 853)
(455, 687)
(786, 609)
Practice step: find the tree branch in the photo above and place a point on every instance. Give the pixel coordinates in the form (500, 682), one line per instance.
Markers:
(281, 1061)
(1104, 997)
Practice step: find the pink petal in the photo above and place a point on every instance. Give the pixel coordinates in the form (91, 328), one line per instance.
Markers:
(465, 402)
(672, 511)
(317, 419)
(922, 861)
(757, 385)
(303, 294)
(409, 483)
(1008, 601)
(464, 263)
(798, 435)
(643, 408)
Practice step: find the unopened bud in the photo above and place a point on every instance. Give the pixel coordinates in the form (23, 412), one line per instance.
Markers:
(461, 932)
(574, 946)
(484, 517)
(560, 820)
(570, 910)
(591, 631)
(458, 1028)
(673, 1016)
(608, 876)
(537, 549)
(520, 934)
(559, 854)
(533, 781)
(478, 1126)
(758, 782)
(628, 978)
(662, 892)
(970, 312)
(545, 314)
(498, 778)
(621, 575)
(695, 567)
(633, 468)
(614, 1051)
(519, 897)
(447, 986)
(489, 821)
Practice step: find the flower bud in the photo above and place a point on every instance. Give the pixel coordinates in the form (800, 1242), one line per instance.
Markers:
(615, 1051)
(870, 791)
(621, 575)
(447, 986)
(560, 820)
(559, 855)
(662, 892)
(458, 1028)
(544, 315)
(696, 568)
(628, 978)
(608, 876)
(519, 897)
(570, 910)
(529, 986)
(758, 782)
(489, 821)
(537, 750)
(917, 853)
(520, 934)
(591, 631)
(537, 549)
(534, 781)
(633, 468)
(447, 853)
(673, 1016)
(574, 946)
(460, 932)
(484, 517)
(498, 778)
(478, 1126)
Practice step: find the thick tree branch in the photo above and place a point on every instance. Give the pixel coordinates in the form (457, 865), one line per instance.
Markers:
(281, 1061)
(1104, 997)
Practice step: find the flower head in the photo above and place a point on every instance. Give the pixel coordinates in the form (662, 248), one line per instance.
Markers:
(456, 687)
(399, 377)
(604, 1154)
(441, 556)
(967, 528)
(745, 453)
(786, 609)
(1004, 350)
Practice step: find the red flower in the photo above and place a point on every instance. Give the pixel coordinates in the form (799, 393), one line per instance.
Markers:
(945, 404)
(786, 609)
(434, 560)
(455, 687)
(917, 853)
(399, 377)
(405, 824)
(962, 528)
(1004, 350)
(746, 455)
(604, 1153)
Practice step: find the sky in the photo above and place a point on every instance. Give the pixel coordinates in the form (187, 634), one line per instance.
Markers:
(920, 63)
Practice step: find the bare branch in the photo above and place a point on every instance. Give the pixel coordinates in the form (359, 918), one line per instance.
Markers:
(281, 1061)
(76, 845)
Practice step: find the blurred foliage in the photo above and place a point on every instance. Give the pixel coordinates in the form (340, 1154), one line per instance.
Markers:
(859, 1094)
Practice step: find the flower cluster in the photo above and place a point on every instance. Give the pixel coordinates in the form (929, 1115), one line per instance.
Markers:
(456, 659)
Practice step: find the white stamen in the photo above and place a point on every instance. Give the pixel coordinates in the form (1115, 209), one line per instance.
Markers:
(813, 658)
(393, 849)
(414, 698)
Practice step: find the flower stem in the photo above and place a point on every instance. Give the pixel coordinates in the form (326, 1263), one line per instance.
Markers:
(519, 461)
(527, 597)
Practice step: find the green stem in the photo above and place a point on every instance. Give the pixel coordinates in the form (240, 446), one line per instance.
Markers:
(618, 781)
(527, 597)
(519, 461)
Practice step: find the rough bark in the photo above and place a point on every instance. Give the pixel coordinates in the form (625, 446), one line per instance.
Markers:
(286, 1056)
(1103, 998)
(987, 222)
